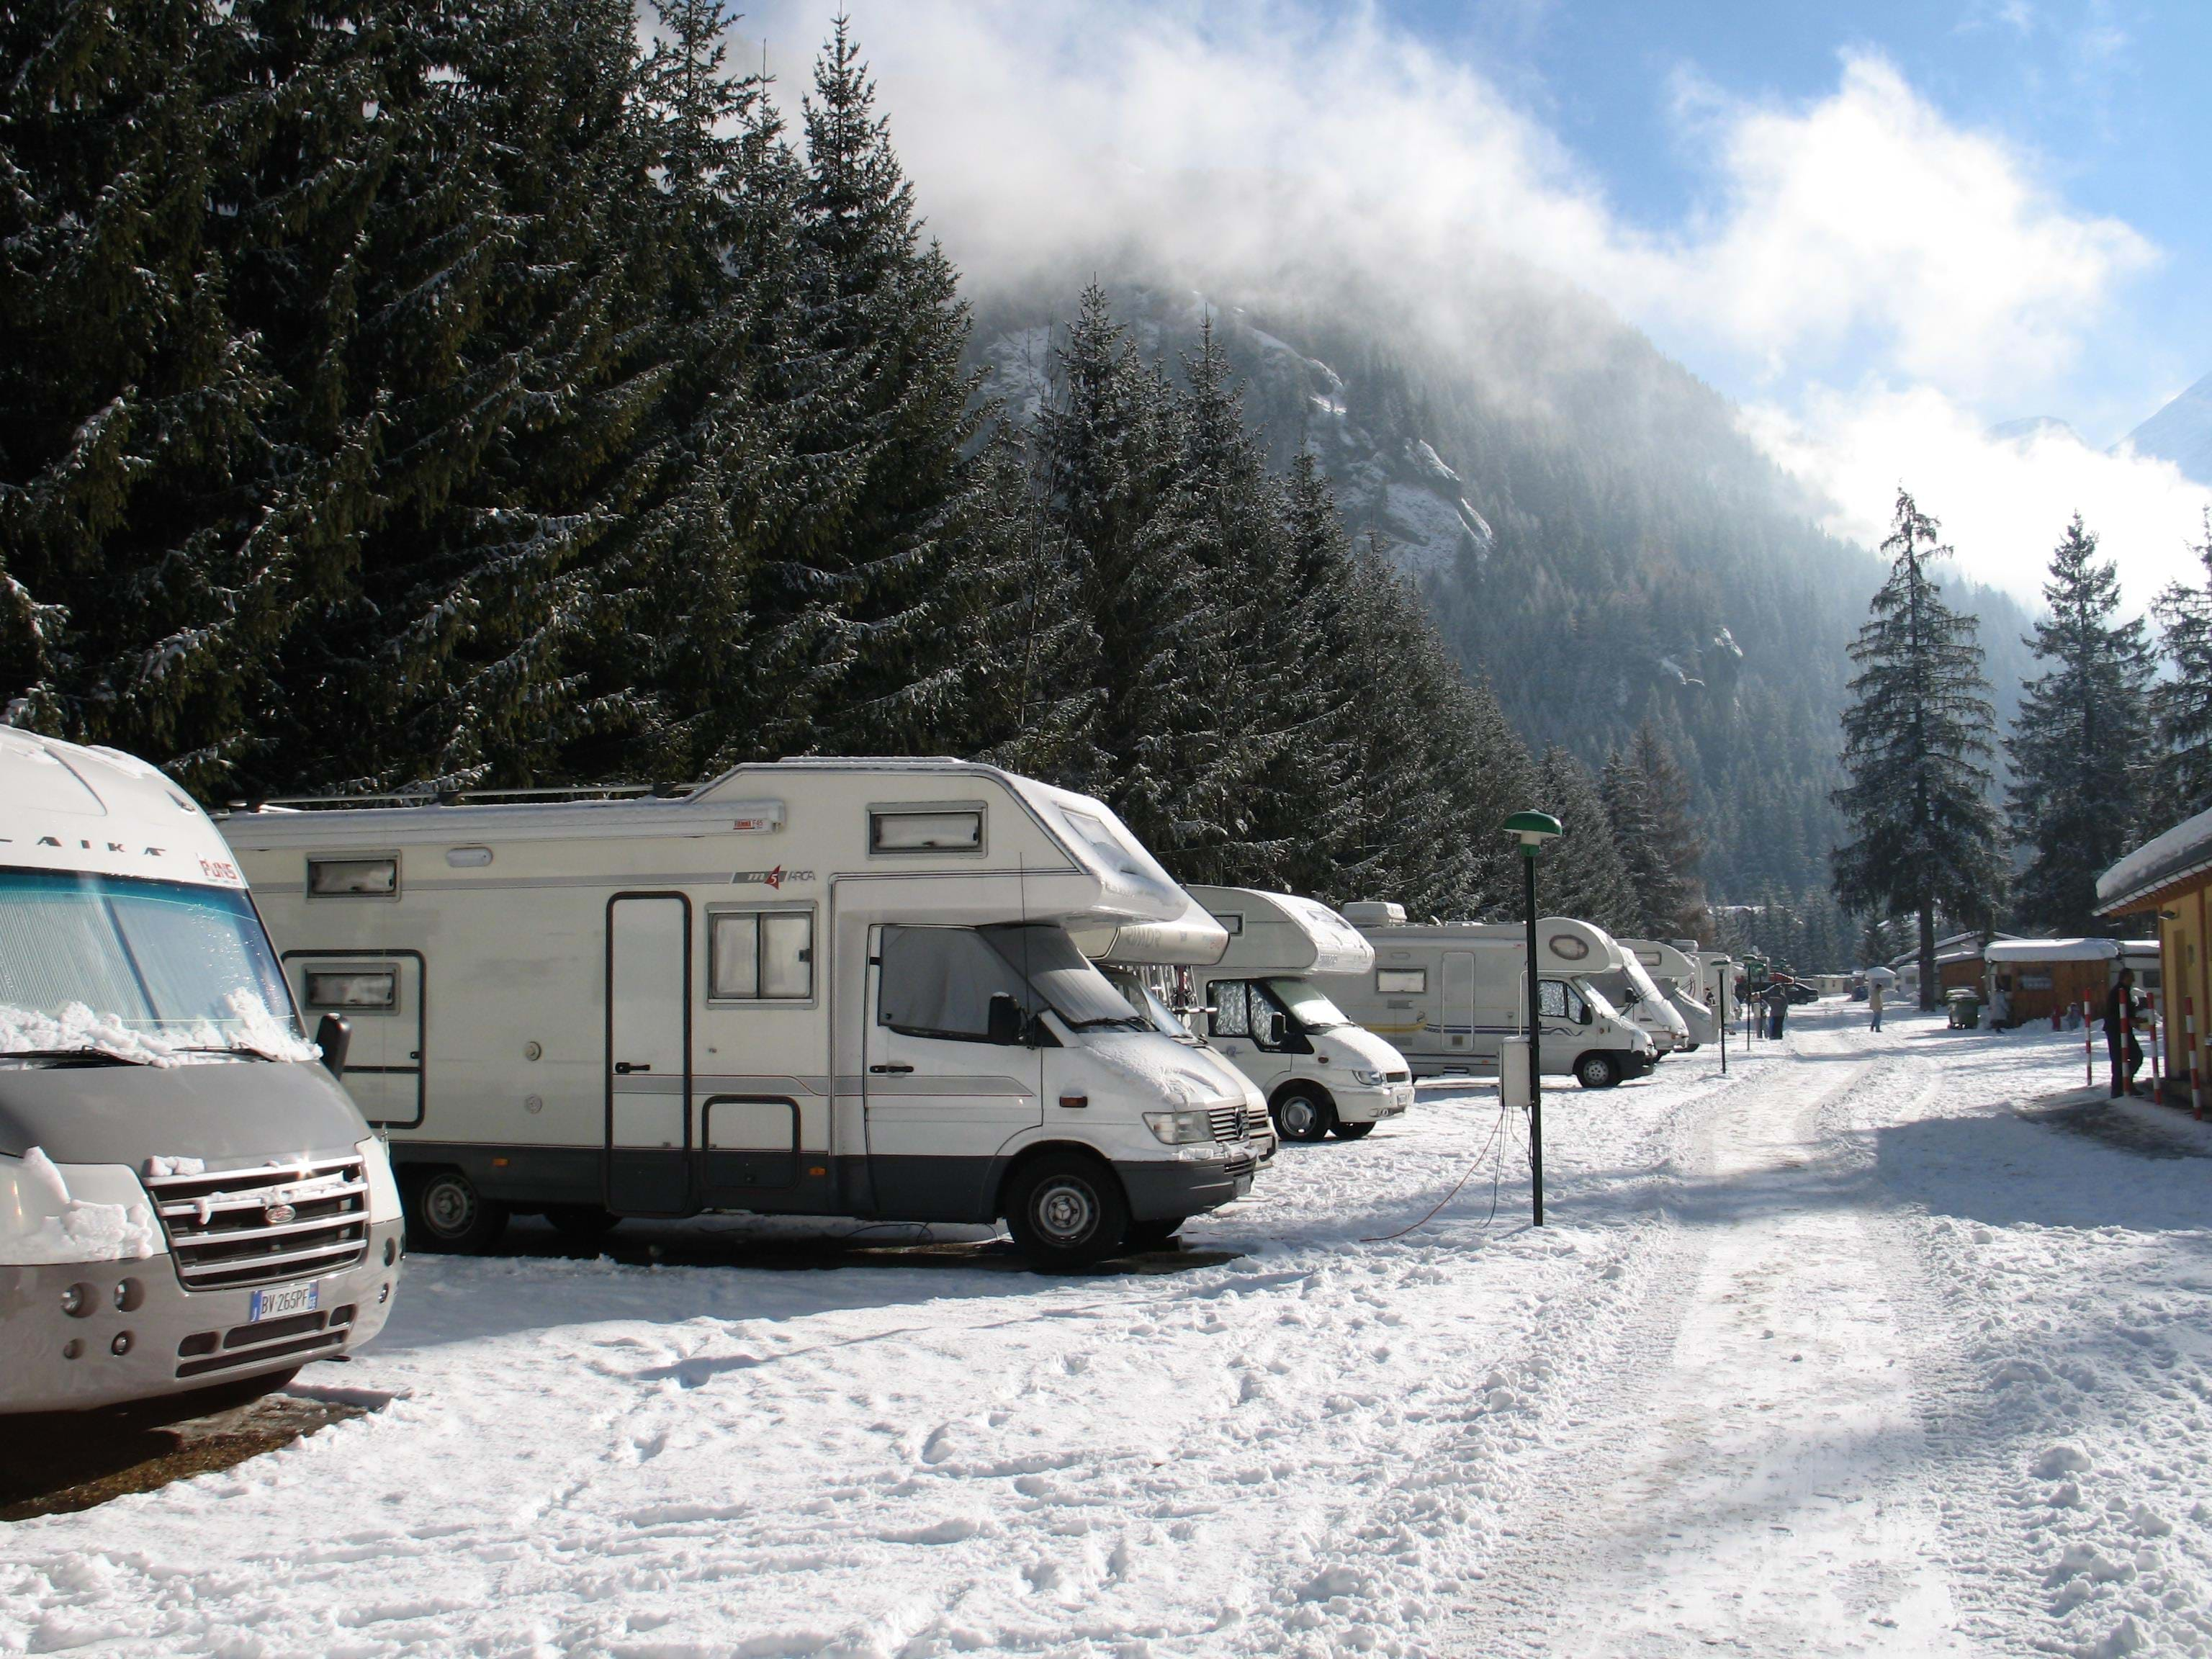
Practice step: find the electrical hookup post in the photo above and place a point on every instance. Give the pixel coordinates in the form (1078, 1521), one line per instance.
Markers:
(1532, 830)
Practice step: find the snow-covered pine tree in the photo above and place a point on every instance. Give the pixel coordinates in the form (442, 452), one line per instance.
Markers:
(2181, 705)
(1634, 811)
(1309, 795)
(1677, 904)
(1583, 875)
(1242, 652)
(884, 316)
(1110, 473)
(136, 591)
(2081, 746)
(1916, 740)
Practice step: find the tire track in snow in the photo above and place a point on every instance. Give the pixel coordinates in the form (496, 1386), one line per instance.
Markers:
(1751, 1501)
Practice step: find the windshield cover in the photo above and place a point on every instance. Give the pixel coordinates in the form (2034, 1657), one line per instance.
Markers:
(139, 971)
(1073, 989)
(1645, 990)
(1153, 1008)
(1312, 1011)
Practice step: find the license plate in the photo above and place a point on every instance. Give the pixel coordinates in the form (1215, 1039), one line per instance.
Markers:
(1244, 1185)
(283, 1299)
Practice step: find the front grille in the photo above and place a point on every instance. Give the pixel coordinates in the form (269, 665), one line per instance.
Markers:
(1228, 1121)
(1241, 1163)
(224, 1226)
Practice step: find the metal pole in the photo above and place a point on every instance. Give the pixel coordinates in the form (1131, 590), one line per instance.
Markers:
(1535, 1037)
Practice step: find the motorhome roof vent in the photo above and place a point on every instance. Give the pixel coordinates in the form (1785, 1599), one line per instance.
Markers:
(1375, 912)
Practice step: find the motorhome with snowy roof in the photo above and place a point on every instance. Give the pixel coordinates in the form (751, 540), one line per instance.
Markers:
(1448, 994)
(1320, 1072)
(1630, 988)
(188, 1200)
(827, 988)
(1679, 979)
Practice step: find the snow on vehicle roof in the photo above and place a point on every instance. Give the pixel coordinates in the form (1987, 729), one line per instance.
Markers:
(2182, 851)
(2065, 950)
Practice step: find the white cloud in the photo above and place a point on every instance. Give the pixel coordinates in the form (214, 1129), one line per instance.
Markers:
(1857, 238)
(2003, 503)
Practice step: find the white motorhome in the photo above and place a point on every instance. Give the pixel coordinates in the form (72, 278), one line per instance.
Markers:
(1320, 1072)
(1631, 989)
(828, 988)
(188, 1200)
(1680, 981)
(1448, 994)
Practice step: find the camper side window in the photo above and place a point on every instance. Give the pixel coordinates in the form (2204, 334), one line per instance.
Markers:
(353, 878)
(761, 956)
(938, 982)
(1401, 982)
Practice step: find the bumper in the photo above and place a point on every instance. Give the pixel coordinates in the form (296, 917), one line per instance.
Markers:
(172, 1340)
(1357, 1105)
(1636, 1065)
(1165, 1189)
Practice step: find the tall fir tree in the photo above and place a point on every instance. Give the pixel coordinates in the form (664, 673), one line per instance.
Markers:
(1917, 737)
(1584, 874)
(2181, 705)
(2081, 746)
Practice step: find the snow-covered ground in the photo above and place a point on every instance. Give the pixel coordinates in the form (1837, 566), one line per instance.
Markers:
(1840, 1354)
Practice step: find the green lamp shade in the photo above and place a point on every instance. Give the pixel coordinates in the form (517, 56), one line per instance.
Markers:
(1532, 827)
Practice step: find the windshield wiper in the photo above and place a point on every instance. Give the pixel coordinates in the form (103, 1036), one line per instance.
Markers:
(1123, 1023)
(79, 1056)
(246, 1049)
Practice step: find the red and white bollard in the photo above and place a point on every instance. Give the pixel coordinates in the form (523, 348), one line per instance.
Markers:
(2088, 1053)
(2189, 1037)
(2150, 1008)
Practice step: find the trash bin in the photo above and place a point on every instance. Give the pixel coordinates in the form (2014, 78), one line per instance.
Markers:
(1966, 1006)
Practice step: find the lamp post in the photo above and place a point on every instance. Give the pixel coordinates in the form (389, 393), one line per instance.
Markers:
(1533, 829)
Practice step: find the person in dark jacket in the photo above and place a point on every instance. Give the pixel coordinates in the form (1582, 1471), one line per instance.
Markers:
(2121, 1012)
(1776, 997)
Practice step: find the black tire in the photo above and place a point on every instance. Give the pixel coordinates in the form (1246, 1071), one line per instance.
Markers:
(581, 1225)
(1597, 1070)
(1304, 1114)
(1344, 1131)
(1066, 1210)
(1155, 1234)
(445, 1214)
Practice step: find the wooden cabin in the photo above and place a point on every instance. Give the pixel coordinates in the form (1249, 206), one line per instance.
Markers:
(2044, 976)
(2166, 879)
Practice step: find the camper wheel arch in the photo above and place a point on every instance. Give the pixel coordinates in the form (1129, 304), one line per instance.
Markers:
(1597, 1070)
(445, 1213)
(1063, 1204)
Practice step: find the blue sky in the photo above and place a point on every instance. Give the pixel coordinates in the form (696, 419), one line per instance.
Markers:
(2112, 101)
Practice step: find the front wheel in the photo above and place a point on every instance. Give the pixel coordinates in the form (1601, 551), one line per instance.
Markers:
(1597, 1071)
(1068, 1210)
(446, 1215)
(1304, 1114)
(1353, 1131)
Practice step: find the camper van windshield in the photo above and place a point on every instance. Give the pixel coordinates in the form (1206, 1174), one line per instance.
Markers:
(1645, 990)
(1599, 1007)
(109, 968)
(1154, 1008)
(1312, 1011)
(1062, 975)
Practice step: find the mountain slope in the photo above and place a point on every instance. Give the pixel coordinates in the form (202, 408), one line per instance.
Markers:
(2181, 433)
(1589, 526)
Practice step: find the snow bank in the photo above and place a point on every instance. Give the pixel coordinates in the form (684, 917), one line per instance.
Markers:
(40, 1224)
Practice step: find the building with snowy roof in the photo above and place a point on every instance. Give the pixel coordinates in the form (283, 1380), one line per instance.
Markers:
(2167, 877)
(2042, 978)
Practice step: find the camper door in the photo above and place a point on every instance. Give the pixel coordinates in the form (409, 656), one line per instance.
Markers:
(950, 1079)
(649, 1054)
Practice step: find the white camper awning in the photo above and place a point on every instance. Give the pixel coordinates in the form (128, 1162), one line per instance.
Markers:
(2057, 950)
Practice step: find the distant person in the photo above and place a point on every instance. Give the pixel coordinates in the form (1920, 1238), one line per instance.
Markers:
(2000, 1007)
(2120, 1045)
(1873, 1001)
(1776, 997)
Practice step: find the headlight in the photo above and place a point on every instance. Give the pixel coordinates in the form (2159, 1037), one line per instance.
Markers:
(1367, 1079)
(1179, 1129)
(51, 1214)
(383, 1190)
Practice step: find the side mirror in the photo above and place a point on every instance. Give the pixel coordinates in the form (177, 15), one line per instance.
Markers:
(1278, 1031)
(1004, 1024)
(333, 1036)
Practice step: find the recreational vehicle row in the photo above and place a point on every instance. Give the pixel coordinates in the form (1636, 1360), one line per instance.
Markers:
(1252, 974)
(1448, 994)
(821, 986)
(188, 1202)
